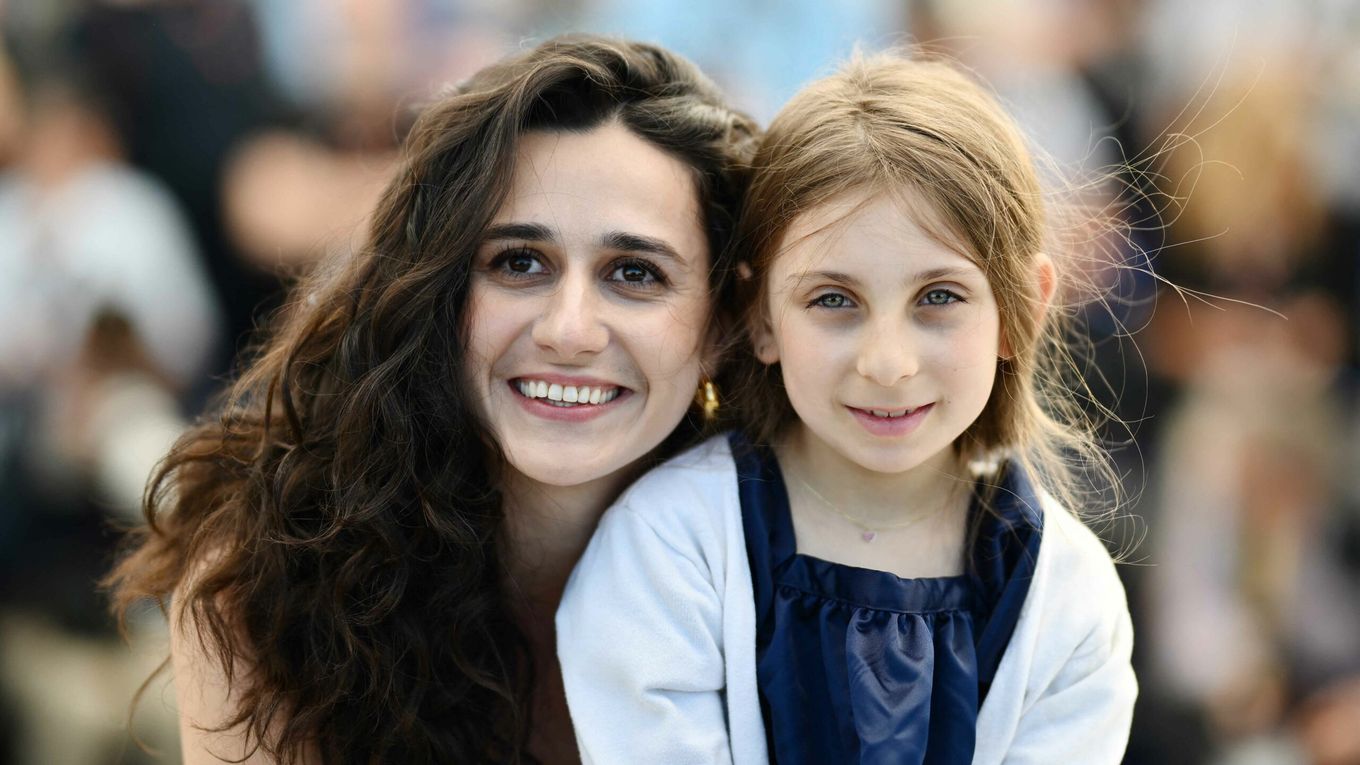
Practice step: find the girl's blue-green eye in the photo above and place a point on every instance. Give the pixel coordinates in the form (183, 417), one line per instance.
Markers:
(831, 300)
(940, 297)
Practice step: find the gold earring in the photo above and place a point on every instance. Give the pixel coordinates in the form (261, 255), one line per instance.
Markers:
(707, 399)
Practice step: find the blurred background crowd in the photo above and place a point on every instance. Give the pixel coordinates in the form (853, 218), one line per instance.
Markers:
(167, 167)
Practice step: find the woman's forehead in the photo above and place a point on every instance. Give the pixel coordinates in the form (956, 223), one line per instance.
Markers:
(583, 184)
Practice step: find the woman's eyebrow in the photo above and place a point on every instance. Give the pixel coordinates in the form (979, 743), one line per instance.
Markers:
(529, 232)
(626, 242)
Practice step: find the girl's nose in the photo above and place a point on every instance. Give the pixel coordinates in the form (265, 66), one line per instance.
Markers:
(888, 353)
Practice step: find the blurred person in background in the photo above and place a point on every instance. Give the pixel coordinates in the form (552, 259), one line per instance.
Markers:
(1254, 599)
(107, 321)
(88, 244)
(189, 86)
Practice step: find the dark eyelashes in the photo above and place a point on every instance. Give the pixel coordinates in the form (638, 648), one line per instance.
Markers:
(836, 300)
(951, 297)
(655, 273)
(655, 276)
(500, 261)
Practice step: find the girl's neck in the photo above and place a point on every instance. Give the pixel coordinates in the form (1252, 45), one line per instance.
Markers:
(912, 524)
(939, 485)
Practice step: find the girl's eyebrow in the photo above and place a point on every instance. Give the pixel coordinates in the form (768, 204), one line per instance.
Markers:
(828, 276)
(928, 275)
(946, 272)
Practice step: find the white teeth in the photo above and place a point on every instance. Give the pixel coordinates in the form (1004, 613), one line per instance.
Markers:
(890, 415)
(566, 395)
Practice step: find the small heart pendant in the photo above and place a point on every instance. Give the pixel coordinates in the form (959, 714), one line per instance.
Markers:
(868, 536)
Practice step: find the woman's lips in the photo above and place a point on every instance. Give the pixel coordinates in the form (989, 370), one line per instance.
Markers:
(553, 400)
(890, 422)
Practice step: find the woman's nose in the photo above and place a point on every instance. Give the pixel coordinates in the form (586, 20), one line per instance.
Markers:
(888, 353)
(570, 325)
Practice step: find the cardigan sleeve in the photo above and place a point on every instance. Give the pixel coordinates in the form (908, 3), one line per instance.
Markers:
(639, 636)
(1084, 711)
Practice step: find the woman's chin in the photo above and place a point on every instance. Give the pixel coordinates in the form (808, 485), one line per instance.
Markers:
(565, 469)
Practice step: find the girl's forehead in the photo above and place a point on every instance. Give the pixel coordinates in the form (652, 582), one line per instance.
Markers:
(883, 230)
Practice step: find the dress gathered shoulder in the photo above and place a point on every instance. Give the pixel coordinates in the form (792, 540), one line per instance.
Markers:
(857, 665)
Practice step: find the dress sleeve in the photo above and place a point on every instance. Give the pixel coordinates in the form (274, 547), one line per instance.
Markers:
(1083, 714)
(639, 638)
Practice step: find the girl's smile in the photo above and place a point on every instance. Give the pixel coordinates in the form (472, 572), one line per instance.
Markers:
(886, 337)
(890, 422)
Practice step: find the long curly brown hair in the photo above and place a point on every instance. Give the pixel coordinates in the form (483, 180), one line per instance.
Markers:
(332, 532)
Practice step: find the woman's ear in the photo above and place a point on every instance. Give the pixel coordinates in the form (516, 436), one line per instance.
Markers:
(1046, 275)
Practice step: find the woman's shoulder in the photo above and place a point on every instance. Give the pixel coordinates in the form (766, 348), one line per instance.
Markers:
(703, 472)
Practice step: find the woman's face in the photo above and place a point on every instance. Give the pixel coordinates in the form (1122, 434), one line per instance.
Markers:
(589, 304)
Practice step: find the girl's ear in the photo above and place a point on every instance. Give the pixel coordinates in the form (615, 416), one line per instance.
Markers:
(758, 329)
(762, 339)
(1047, 275)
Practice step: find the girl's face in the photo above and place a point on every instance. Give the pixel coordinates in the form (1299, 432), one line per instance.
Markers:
(887, 339)
(588, 305)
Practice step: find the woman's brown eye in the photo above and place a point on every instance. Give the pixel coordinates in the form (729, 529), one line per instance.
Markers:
(520, 263)
(637, 274)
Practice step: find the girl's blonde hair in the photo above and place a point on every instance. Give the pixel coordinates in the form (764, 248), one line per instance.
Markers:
(923, 130)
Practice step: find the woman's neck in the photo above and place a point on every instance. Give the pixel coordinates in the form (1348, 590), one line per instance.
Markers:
(546, 530)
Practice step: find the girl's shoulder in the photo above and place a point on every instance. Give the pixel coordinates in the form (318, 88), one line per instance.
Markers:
(1072, 545)
(1076, 580)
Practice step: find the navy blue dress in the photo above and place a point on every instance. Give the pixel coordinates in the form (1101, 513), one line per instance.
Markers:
(862, 666)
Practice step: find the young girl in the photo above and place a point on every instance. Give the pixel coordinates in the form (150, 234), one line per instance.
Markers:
(876, 569)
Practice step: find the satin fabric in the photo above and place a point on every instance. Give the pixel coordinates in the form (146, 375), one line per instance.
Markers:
(855, 665)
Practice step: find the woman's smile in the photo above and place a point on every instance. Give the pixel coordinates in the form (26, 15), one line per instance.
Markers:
(553, 397)
(589, 305)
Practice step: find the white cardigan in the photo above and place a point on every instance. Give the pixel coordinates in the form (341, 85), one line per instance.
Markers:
(656, 636)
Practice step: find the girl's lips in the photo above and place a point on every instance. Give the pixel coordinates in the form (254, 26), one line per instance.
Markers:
(890, 427)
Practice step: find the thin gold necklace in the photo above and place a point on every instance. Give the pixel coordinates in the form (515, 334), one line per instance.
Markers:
(866, 532)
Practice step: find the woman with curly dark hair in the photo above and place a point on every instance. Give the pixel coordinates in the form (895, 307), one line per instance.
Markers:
(361, 554)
